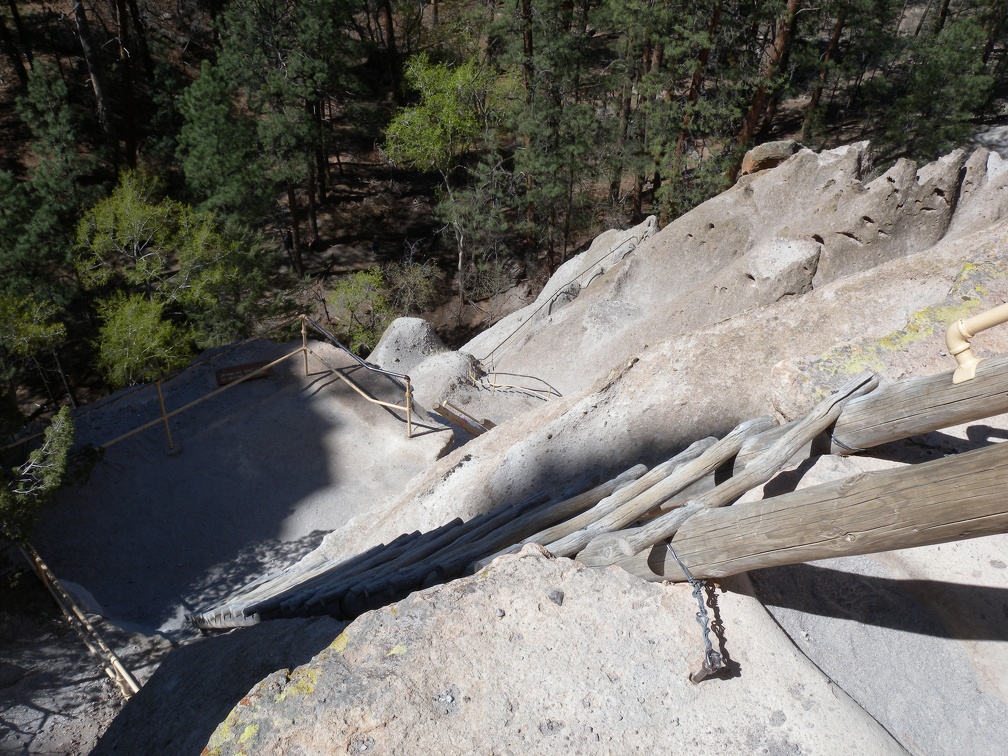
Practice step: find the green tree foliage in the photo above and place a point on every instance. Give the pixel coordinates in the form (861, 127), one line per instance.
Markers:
(37, 216)
(929, 99)
(435, 133)
(360, 310)
(544, 119)
(186, 277)
(438, 132)
(413, 286)
(28, 330)
(28, 486)
(136, 342)
(363, 304)
(129, 235)
(256, 112)
(219, 149)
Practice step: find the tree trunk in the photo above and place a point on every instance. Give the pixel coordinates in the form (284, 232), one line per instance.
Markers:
(148, 62)
(616, 173)
(527, 73)
(638, 198)
(26, 43)
(13, 53)
(296, 256)
(62, 374)
(942, 15)
(992, 26)
(312, 214)
(129, 118)
(831, 50)
(390, 49)
(770, 70)
(923, 18)
(321, 152)
(97, 78)
(696, 81)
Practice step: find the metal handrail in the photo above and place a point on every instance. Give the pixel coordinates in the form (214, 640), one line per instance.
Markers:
(362, 363)
(303, 349)
(633, 241)
(108, 401)
(165, 416)
(490, 381)
(408, 407)
(108, 658)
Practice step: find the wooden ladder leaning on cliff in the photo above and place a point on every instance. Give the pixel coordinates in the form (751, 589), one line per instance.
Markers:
(963, 496)
(959, 497)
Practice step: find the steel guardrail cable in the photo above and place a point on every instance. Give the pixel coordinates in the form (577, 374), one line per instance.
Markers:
(633, 241)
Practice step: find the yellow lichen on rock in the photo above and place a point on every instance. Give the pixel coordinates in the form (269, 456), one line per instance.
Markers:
(339, 645)
(302, 682)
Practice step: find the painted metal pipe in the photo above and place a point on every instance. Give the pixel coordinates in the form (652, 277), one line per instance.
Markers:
(958, 336)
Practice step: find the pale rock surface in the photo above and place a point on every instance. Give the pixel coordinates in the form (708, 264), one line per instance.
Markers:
(918, 637)
(536, 656)
(201, 682)
(260, 473)
(891, 319)
(677, 340)
(984, 196)
(698, 271)
(564, 286)
(443, 377)
(673, 387)
(405, 344)
(768, 155)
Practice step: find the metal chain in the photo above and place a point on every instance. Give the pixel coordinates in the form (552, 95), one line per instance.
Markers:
(712, 659)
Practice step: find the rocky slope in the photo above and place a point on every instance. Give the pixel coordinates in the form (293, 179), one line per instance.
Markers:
(755, 303)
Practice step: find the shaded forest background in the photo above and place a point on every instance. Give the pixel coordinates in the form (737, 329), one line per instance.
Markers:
(174, 174)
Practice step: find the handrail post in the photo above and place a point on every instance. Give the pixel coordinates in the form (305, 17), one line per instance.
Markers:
(961, 332)
(164, 416)
(304, 342)
(409, 409)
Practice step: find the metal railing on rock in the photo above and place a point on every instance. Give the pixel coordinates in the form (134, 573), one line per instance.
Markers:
(629, 244)
(515, 383)
(165, 415)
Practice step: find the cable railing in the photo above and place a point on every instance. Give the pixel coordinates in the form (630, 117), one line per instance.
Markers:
(593, 269)
(165, 415)
(407, 407)
(493, 383)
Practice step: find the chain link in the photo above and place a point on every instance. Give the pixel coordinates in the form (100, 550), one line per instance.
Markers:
(712, 659)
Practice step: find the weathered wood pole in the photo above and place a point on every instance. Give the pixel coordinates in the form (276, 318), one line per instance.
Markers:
(608, 549)
(950, 499)
(921, 405)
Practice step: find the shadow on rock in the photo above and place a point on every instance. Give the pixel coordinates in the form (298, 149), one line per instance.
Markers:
(926, 607)
(199, 684)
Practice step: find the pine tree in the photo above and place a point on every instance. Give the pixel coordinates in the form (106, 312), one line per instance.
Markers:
(25, 488)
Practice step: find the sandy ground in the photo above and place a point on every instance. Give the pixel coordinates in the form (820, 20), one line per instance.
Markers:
(257, 476)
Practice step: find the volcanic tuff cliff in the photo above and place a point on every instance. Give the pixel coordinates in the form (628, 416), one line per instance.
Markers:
(757, 302)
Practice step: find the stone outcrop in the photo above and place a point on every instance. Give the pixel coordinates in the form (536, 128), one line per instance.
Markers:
(405, 344)
(757, 302)
(535, 655)
(768, 155)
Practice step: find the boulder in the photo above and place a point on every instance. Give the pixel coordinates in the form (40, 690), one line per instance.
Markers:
(768, 155)
(443, 377)
(405, 344)
(535, 655)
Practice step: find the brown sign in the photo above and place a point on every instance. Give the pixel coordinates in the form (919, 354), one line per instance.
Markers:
(231, 374)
